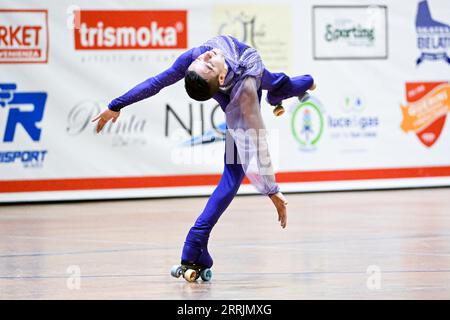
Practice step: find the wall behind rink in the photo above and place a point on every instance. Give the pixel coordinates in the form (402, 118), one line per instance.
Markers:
(376, 120)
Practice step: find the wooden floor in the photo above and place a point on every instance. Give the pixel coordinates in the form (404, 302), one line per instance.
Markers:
(124, 249)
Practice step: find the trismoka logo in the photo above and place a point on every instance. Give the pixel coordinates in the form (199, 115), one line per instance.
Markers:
(426, 110)
(23, 36)
(118, 30)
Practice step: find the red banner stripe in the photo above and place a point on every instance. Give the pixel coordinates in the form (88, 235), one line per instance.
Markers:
(212, 179)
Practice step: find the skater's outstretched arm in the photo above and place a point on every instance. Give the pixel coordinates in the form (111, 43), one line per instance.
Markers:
(153, 85)
(149, 87)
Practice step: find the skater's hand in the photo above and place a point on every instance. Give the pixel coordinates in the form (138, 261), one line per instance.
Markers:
(280, 203)
(104, 117)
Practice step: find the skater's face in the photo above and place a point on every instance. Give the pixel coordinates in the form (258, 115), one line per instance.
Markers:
(210, 66)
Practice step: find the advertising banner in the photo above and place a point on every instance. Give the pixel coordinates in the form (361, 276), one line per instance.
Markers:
(350, 32)
(376, 120)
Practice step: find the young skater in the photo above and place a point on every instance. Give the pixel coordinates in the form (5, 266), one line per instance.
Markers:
(233, 74)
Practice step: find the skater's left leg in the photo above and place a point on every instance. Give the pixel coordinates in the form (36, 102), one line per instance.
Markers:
(195, 248)
(280, 86)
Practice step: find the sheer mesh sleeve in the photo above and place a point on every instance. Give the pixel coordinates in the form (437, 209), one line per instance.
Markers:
(246, 126)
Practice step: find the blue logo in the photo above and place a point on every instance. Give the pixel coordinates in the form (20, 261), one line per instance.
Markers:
(27, 118)
(433, 37)
(210, 136)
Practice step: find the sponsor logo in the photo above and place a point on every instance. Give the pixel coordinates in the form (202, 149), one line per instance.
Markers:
(433, 37)
(194, 134)
(353, 122)
(23, 36)
(27, 158)
(355, 36)
(25, 110)
(426, 110)
(253, 25)
(211, 135)
(134, 30)
(307, 124)
(348, 124)
(129, 130)
(350, 32)
(196, 122)
(245, 28)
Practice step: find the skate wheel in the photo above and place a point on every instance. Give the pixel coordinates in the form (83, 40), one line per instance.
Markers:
(304, 97)
(278, 111)
(176, 271)
(206, 274)
(190, 275)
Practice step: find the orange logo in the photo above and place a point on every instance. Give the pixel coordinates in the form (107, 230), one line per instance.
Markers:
(132, 29)
(426, 110)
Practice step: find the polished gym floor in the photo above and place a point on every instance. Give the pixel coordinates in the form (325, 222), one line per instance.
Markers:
(342, 245)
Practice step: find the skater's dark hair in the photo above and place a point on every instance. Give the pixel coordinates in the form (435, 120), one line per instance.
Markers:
(198, 88)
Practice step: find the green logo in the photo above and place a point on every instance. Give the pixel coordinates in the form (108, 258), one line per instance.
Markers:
(307, 124)
(350, 33)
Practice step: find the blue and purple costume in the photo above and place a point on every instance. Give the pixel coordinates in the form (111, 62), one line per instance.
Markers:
(245, 70)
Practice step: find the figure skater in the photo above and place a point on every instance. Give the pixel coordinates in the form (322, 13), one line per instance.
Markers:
(233, 74)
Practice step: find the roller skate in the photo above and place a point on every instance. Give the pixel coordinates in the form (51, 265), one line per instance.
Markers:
(191, 272)
(196, 262)
(305, 97)
(279, 109)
